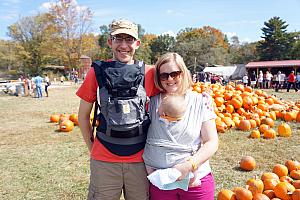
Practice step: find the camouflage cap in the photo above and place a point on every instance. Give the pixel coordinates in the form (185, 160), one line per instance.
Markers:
(123, 26)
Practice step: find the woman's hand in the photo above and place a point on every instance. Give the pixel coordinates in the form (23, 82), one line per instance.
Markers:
(184, 168)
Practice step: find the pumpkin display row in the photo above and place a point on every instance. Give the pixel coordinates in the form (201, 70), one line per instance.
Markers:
(282, 183)
(245, 109)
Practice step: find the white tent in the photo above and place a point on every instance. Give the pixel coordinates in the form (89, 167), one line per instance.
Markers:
(223, 71)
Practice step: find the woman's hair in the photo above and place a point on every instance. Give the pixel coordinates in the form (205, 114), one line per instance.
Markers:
(186, 79)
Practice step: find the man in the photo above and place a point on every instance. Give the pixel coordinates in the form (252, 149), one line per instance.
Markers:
(38, 84)
(291, 81)
(111, 173)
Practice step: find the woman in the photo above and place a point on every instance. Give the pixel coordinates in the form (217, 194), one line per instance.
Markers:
(187, 144)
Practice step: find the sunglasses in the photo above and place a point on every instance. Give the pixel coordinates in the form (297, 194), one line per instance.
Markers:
(173, 75)
(129, 40)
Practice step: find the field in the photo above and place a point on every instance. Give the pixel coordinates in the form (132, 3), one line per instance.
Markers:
(38, 162)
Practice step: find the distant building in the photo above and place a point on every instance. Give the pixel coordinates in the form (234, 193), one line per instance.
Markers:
(285, 66)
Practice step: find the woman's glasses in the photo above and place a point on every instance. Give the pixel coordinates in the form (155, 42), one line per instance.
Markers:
(173, 75)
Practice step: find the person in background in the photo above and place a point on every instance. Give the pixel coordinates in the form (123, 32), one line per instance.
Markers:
(260, 80)
(47, 84)
(185, 145)
(298, 80)
(253, 80)
(245, 79)
(38, 86)
(291, 81)
(269, 77)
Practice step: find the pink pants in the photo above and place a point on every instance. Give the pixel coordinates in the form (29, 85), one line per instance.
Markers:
(203, 192)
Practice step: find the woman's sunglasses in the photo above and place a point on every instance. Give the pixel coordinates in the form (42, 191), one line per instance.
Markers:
(173, 75)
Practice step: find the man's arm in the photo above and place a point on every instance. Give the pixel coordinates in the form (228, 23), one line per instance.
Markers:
(84, 122)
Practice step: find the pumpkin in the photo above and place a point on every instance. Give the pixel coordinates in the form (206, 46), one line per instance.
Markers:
(268, 121)
(290, 116)
(292, 165)
(270, 183)
(247, 163)
(296, 195)
(236, 103)
(242, 193)
(296, 184)
(255, 134)
(269, 175)
(283, 190)
(263, 128)
(280, 170)
(255, 185)
(226, 194)
(286, 179)
(284, 130)
(269, 193)
(270, 134)
(244, 125)
(54, 118)
(66, 126)
(73, 117)
(259, 196)
(298, 117)
(295, 174)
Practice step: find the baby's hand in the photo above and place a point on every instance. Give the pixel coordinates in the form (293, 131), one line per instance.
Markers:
(194, 182)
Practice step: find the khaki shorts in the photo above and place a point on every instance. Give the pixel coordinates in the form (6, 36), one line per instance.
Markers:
(107, 181)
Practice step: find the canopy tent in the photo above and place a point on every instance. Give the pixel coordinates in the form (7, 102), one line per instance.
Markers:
(225, 71)
(239, 72)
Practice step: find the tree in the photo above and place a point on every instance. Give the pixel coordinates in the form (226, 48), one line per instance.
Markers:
(31, 35)
(276, 43)
(161, 45)
(73, 23)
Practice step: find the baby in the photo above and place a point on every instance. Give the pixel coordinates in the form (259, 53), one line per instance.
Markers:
(172, 108)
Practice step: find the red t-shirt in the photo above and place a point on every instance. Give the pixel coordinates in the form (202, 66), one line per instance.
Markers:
(88, 92)
(291, 78)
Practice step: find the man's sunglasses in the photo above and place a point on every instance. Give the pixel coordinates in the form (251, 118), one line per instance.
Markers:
(173, 75)
(119, 40)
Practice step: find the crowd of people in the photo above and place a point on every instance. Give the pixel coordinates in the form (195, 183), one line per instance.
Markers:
(275, 81)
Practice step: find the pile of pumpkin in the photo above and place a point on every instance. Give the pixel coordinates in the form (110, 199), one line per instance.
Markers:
(65, 121)
(282, 183)
(244, 108)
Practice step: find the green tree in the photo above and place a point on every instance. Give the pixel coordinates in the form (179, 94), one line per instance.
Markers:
(161, 45)
(276, 43)
(31, 35)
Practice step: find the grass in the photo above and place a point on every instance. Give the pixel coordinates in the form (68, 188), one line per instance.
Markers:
(38, 162)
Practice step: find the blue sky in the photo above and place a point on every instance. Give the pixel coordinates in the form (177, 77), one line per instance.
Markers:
(233, 17)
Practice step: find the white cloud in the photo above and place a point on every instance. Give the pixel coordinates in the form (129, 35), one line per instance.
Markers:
(230, 34)
(45, 6)
(169, 32)
(175, 12)
(246, 40)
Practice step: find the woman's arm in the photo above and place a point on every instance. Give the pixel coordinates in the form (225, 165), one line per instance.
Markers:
(84, 122)
(209, 138)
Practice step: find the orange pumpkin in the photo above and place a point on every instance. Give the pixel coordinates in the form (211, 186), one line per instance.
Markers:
(255, 185)
(259, 196)
(280, 170)
(269, 175)
(296, 184)
(283, 189)
(263, 128)
(255, 134)
(284, 130)
(292, 165)
(66, 126)
(244, 125)
(242, 193)
(270, 134)
(269, 193)
(54, 118)
(270, 183)
(226, 194)
(268, 121)
(296, 195)
(295, 174)
(247, 163)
